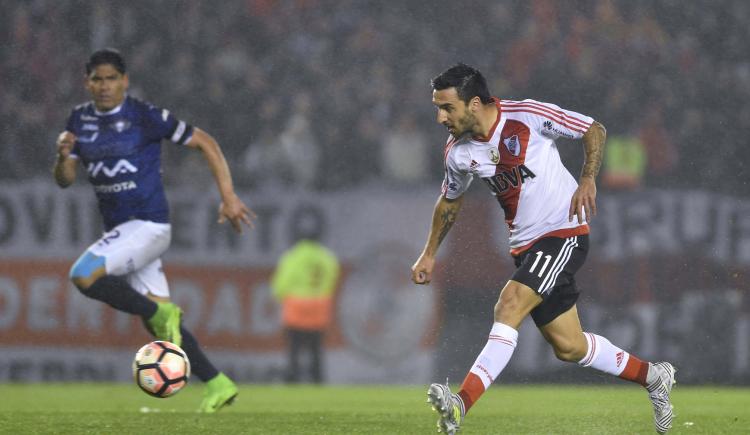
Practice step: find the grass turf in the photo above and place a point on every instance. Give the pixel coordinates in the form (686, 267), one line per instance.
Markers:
(123, 409)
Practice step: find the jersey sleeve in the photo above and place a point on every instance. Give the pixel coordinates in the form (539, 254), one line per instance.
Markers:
(553, 121)
(457, 176)
(161, 124)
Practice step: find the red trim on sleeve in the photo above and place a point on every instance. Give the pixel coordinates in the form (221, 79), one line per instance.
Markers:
(552, 111)
(559, 120)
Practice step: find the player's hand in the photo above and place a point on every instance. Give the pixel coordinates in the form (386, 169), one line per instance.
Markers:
(233, 209)
(583, 203)
(65, 142)
(421, 272)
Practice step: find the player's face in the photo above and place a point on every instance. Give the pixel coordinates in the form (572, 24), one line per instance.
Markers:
(107, 87)
(453, 113)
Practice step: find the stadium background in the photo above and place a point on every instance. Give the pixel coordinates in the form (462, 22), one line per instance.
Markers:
(322, 108)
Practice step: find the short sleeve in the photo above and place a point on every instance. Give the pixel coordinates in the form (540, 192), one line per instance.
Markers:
(161, 124)
(457, 176)
(553, 121)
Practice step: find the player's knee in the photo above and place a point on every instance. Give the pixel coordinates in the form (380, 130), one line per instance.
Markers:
(569, 351)
(86, 270)
(507, 303)
(510, 303)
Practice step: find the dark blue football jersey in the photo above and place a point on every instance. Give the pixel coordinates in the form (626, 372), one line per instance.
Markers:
(121, 151)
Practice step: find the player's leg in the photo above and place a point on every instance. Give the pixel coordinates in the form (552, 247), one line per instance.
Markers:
(152, 282)
(90, 277)
(515, 302)
(98, 272)
(572, 344)
(102, 273)
(294, 344)
(220, 390)
(315, 345)
(538, 269)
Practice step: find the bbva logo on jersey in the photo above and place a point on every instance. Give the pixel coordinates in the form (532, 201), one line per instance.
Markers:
(121, 167)
(509, 179)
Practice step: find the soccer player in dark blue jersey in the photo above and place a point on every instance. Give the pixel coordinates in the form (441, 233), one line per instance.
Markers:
(117, 139)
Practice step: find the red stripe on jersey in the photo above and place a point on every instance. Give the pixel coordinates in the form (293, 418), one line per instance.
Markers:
(507, 170)
(563, 233)
(551, 110)
(567, 120)
(548, 116)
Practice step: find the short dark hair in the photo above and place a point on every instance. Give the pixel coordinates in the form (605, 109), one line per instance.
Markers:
(107, 56)
(468, 81)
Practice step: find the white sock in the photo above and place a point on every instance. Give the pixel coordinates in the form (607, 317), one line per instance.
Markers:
(496, 353)
(603, 355)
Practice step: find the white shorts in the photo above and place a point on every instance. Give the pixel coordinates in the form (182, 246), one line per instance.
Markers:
(133, 249)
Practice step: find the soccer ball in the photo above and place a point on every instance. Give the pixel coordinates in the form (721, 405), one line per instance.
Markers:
(161, 368)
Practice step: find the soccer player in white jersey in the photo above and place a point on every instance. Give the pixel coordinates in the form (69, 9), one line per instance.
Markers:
(117, 138)
(510, 146)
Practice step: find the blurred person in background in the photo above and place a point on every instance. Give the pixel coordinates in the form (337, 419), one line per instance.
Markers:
(624, 164)
(304, 283)
(510, 145)
(662, 154)
(403, 152)
(117, 138)
(297, 145)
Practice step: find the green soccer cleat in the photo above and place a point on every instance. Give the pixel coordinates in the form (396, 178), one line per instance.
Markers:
(165, 323)
(448, 405)
(220, 391)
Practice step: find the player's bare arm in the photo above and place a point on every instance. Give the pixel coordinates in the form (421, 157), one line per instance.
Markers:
(231, 208)
(443, 217)
(65, 166)
(583, 202)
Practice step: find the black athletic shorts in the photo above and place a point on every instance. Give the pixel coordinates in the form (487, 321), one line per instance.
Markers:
(548, 267)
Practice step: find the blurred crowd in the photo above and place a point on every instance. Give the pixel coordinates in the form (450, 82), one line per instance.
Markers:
(326, 94)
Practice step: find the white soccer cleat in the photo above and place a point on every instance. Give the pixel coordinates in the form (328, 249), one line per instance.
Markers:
(658, 392)
(448, 405)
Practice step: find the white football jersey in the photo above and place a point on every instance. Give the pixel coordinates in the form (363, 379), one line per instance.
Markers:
(520, 163)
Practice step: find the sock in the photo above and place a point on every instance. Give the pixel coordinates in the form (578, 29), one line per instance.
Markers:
(117, 293)
(199, 363)
(490, 362)
(608, 358)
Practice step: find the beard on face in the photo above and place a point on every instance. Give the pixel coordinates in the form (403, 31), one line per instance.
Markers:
(465, 124)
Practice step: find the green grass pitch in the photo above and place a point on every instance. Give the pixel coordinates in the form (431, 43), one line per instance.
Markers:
(124, 409)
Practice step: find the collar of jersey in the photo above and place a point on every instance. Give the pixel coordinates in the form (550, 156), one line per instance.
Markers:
(113, 111)
(494, 126)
